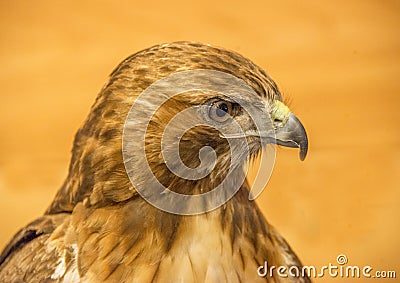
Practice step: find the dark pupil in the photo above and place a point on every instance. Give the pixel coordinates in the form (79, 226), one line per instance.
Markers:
(222, 110)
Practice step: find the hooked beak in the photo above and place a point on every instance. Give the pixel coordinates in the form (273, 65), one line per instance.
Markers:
(288, 130)
(292, 134)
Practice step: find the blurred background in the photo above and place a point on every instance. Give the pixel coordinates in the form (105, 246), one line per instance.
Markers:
(338, 62)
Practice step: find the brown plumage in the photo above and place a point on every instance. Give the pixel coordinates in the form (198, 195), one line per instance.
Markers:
(98, 229)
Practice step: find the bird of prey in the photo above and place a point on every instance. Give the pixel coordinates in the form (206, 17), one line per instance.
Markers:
(100, 229)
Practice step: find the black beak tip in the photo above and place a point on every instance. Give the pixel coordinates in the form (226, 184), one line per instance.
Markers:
(303, 154)
(303, 149)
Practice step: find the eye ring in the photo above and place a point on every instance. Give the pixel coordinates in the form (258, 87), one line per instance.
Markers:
(221, 111)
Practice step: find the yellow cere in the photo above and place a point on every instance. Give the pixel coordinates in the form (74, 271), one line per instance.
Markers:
(280, 112)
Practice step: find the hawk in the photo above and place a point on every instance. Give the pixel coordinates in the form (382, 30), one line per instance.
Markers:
(100, 228)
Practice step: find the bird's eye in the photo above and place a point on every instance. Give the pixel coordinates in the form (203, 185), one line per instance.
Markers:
(221, 111)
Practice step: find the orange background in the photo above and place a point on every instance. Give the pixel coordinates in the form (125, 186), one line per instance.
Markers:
(338, 62)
